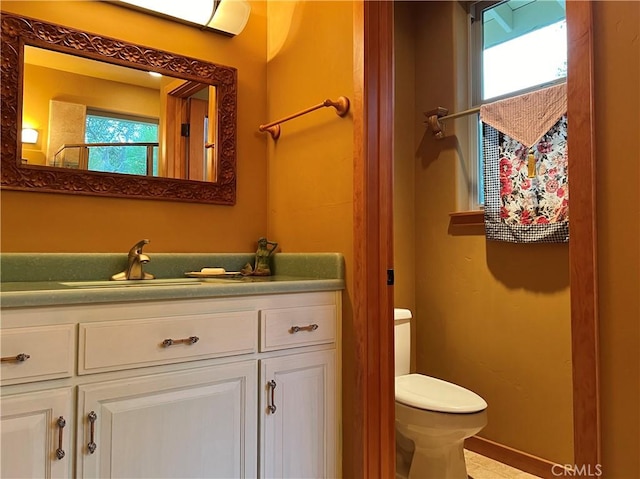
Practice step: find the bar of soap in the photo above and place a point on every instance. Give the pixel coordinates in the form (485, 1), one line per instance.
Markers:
(213, 271)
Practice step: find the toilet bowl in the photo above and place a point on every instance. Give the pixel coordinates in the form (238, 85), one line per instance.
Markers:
(433, 418)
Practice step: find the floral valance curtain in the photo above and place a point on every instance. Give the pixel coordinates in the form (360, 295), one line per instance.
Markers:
(525, 168)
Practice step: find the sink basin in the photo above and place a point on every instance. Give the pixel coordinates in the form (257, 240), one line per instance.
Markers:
(148, 283)
(131, 283)
(237, 279)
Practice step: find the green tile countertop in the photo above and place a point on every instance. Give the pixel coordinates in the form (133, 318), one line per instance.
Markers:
(49, 279)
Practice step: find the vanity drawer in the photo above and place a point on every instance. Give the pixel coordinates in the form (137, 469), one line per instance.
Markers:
(50, 351)
(295, 327)
(114, 345)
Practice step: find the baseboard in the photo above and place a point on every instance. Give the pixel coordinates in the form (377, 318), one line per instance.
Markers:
(512, 457)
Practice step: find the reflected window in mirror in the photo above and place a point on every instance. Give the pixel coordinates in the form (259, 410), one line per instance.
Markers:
(126, 144)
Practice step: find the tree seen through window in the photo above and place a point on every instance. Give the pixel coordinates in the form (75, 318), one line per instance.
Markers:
(121, 159)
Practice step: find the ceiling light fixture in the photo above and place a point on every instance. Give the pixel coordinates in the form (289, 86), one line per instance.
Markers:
(225, 16)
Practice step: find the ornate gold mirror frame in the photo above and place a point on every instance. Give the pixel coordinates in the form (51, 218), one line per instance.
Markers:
(18, 31)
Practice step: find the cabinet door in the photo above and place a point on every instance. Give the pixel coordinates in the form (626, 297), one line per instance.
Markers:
(199, 423)
(36, 434)
(297, 407)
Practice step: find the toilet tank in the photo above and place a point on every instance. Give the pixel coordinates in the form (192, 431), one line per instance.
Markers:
(402, 340)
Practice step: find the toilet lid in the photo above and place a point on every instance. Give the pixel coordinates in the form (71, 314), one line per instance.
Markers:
(424, 392)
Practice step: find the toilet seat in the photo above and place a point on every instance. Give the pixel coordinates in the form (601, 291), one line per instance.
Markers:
(432, 394)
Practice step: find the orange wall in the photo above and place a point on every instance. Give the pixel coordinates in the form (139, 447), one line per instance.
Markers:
(492, 317)
(310, 166)
(404, 204)
(617, 107)
(310, 174)
(56, 222)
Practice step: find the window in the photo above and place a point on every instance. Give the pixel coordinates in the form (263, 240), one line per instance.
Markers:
(106, 127)
(517, 46)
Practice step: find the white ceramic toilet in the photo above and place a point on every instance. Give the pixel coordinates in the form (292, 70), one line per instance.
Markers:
(433, 417)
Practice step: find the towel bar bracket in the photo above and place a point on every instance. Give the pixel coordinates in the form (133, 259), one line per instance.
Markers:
(436, 117)
(433, 121)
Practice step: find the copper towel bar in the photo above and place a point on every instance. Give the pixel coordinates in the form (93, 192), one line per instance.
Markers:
(341, 105)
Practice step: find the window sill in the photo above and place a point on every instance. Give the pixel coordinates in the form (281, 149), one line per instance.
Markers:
(467, 218)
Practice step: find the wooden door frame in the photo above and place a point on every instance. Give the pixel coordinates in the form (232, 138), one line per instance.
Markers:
(373, 228)
(583, 271)
(373, 234)
(174, 146)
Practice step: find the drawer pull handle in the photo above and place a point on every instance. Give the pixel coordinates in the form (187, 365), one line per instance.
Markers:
(272, 407)
(295, 329)
(91, 447)
(20, 358)
(61, 423)
(190, 340)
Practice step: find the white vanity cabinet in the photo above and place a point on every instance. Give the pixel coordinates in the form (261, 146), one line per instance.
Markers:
(37, 353)
(36, 434)
(298, 404)
(298, 416)
(173, 388)
(36, 428)
(199, 423)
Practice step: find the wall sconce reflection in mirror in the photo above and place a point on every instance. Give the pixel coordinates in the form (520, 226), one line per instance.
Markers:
(225, 16)
(29, 136)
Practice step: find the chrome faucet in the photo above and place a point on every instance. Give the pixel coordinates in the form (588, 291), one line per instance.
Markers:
(135, 259)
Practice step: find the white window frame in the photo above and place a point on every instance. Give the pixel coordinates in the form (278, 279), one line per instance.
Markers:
(475, 49)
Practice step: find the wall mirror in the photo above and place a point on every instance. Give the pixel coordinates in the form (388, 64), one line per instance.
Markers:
(105, 126)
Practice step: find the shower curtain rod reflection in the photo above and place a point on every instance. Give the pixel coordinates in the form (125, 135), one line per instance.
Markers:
(341, 105)
(434, 117)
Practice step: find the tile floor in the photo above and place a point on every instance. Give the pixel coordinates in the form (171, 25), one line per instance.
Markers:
(480, 467)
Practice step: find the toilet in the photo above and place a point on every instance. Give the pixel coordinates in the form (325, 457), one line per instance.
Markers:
(433, 417)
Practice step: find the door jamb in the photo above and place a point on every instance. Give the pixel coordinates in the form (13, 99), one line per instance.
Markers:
(373, 299)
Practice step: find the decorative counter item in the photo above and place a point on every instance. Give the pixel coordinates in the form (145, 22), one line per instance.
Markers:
(261, 268)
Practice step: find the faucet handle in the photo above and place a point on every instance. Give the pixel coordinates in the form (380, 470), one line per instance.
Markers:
(137, 248)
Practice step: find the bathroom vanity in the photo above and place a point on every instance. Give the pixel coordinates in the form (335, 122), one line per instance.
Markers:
(192, 379)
